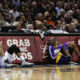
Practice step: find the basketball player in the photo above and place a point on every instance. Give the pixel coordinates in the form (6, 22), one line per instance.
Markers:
(6, 58)
(61, 54)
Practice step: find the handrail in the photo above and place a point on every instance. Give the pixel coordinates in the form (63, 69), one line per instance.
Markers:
(31, 34)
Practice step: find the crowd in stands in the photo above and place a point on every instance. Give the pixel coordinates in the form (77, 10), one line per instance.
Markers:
(60, 15)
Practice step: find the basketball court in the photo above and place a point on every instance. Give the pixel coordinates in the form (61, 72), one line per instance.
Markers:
(44, 72)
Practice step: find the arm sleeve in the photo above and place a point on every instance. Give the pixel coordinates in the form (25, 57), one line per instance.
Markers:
(65, 46)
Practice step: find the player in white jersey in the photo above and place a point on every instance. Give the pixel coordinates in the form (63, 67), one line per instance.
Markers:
(6, 58)
(2, 63)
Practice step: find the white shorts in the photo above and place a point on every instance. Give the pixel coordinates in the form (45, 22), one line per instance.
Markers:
(8, 57)
(2, 63)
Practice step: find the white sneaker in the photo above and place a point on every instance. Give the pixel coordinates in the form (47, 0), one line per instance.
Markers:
(73, 63)
(9, 65)
(26, 64)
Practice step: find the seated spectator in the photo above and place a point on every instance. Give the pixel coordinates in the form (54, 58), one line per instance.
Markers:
(62, 14)
(6, 7)
(40, 26)
(49, 21)
(74, 26)
(70, 29)
(8, 19)
(68, 18)
(58, 8)
(37, 10)
(28, 19)
(63, 23)
(67, 6)
(15, 13)
(76, 13)
(29, 26)
(58, 25)
(17, 3)
(19, 22)
(40, 17)
(2, 21)
(53, 15)
(1, 8)
(39, 22)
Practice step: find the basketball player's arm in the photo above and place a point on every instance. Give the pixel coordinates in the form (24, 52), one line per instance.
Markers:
(1, 49)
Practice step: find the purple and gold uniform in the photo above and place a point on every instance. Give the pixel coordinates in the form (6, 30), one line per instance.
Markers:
(56, 54)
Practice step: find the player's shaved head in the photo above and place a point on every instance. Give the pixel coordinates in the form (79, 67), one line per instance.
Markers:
(53, 40)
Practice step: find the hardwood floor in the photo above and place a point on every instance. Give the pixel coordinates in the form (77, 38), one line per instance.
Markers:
(62, 72)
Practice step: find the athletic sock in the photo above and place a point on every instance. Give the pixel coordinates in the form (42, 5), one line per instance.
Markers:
(22, 58)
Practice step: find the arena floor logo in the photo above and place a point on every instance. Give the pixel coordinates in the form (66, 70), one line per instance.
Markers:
(44, 48)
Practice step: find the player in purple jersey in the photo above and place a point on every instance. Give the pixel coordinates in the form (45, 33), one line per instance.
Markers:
(61, 54)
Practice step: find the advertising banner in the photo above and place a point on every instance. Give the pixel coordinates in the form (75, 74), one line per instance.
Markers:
(34, 48)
